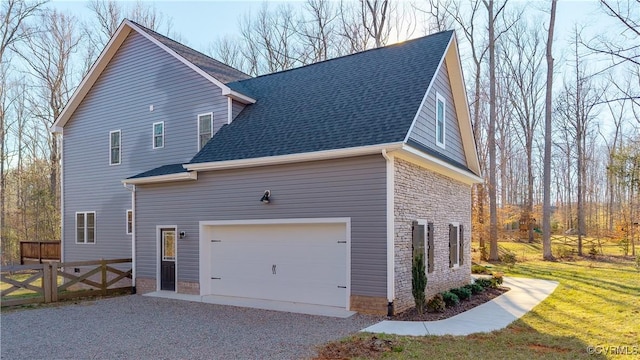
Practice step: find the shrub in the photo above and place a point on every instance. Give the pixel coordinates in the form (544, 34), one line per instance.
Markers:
(450, 298)
(496, 279)
(485, 283)
(593, 251)
(418, 282)
(479, 269)
(475, 288)
(562, 251)
(462, 293)
(508, 258)
(436, 304)
(624, 246)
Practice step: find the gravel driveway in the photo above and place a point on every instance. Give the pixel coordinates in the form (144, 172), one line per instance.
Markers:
(141, 327)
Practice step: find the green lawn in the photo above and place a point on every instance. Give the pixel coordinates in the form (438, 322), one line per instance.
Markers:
(22, 293)
(597, 303)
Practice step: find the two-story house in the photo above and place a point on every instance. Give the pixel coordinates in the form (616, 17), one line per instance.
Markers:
(315, 185)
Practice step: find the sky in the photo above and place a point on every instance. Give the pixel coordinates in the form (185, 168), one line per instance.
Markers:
(200, 22)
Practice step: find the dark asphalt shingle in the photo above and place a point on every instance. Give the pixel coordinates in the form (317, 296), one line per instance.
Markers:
(357, 100)
(162, 170)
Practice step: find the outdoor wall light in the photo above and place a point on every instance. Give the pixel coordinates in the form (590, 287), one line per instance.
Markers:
(183, 234)
(266, 198)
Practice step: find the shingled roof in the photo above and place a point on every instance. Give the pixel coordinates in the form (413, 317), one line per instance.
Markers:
(213, 67)
(367, 98)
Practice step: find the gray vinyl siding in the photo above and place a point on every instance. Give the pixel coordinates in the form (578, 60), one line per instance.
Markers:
(139, 75)
(424, 130)
(353, 187)
(236, 107)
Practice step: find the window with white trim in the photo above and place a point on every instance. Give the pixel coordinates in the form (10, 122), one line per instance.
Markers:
(115, 147)
(422, 243)
(86, 227)
(158, 135)
(205, 129)
(129, 222)
(456, 245)
(441, 125)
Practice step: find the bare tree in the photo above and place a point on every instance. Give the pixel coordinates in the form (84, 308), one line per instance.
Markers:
(318, 31)
(270, 40)
(354, 35)
(375, 20)
(579, 103)
(13, 30)
(493, 14)
(109, 14)
(546, 206)
(229, 51)
(522, 59)
(48, 55)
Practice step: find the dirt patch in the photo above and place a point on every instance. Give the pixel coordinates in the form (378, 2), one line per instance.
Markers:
(464, 305)
(368, 348)
(540, 348)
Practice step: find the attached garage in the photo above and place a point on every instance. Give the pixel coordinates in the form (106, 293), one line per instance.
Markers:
(290, 260)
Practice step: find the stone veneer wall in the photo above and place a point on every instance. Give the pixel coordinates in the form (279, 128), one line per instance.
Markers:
(146, 285)
(426, 195)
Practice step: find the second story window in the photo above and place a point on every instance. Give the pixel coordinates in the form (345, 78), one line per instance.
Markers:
(440, 121)
(205, 129)
(158, 135)
(114, 147)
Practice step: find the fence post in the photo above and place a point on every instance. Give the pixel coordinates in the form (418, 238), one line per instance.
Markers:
(39, 252)
(54, 281)
(46, 282)
(104, 276)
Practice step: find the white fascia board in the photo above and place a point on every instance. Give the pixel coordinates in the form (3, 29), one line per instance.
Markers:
(238, 96)
(293, 158)
(461, 104)
(87, 82)
(192, 175)
(433, 163)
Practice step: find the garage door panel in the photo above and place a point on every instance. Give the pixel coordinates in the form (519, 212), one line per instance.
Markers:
(288, 262)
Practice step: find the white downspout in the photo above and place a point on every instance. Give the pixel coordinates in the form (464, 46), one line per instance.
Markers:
(132, 188)
(390, 230)
(61, 147)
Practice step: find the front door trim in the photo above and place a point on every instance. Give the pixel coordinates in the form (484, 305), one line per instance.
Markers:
(159, 254)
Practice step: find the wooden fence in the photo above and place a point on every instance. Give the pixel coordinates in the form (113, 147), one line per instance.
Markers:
(39, 250)
(19, 283)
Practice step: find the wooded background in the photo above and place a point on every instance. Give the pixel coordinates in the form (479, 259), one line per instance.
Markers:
(557, 130)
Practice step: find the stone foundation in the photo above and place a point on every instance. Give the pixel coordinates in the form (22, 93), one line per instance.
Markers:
(145, 285)
(369, 304)
(191, 288)
(423, 194)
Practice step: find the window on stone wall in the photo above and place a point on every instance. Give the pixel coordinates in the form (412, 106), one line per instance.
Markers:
(456, 245)
(422, 242)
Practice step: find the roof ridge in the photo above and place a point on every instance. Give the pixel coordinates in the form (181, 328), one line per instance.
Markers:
(343, 56)
(187, 46)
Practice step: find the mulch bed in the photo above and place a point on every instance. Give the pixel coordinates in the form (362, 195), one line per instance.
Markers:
(464, 305)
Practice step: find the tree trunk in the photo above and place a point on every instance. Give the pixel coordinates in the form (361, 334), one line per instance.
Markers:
(493, 210)
(546, 202)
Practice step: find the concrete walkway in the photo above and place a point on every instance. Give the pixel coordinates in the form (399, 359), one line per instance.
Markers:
(496, 314)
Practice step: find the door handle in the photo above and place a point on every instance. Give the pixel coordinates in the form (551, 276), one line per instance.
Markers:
(273, 269)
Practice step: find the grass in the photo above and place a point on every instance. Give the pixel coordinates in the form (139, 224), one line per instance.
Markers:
(597, 303)
(24, 293)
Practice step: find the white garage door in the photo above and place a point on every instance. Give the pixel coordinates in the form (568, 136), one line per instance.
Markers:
(304, 263)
